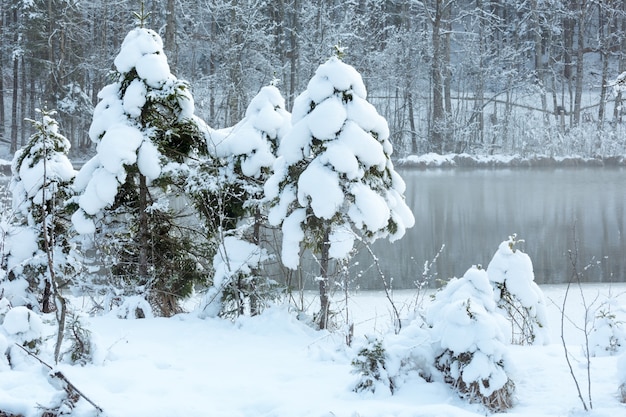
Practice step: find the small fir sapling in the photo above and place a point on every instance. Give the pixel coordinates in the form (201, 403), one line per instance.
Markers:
(517, 295)
(41, 176)
(370, 366)
(608, 335)
(333, 179)
(227, 188)
(470, 347)
(81, 348)
(383, 365)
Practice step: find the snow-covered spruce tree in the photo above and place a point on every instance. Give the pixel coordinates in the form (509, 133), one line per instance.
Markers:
(333, 180)
(518, 297)
(370, 366)
(608, 336)
(144, 130)
(466, 330)
(41, 186)
(240, 163)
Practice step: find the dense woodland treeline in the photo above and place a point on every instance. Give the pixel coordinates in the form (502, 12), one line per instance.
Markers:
(526, 76)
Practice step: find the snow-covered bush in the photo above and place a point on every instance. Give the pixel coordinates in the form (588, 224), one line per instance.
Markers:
(144, 130)
(370, 365)
(470, 346)
(333, 180)
(24, 326)
(608, 335)
(384, 365)
(134, 307)
(234, 283)
(517, 295)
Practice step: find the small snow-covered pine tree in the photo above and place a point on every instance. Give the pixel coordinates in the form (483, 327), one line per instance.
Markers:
(41, 186)
(333, 179)
(144, 130)
(518, 297)
(228, 191)
(471, 349)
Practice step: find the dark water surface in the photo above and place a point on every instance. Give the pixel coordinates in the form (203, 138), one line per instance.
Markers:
(471, 211)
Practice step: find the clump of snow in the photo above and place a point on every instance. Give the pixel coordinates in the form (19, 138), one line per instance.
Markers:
(293, 234)
(21, 246)
(134, 307)
(619, 85)
(518, 296)
(22, 324)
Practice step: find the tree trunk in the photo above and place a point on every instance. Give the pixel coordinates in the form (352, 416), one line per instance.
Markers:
(539, 67)
(617, 118)
(605, 33)
(480, 93)
(170, 33)
(2, 42)
(14, 106)
(144, 241)
(412, 124)
(256, 239)
(23, 99)
(293, 53)
(324, 282)
(578, 94)
(438, 115)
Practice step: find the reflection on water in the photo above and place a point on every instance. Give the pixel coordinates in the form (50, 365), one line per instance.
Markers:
(471, 211)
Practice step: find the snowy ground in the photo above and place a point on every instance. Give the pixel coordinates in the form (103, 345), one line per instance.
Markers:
(274, 365)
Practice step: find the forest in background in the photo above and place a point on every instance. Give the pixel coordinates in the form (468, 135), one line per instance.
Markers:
(450, 76)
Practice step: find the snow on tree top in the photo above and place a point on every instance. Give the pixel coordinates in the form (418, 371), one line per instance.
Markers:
(142, 49)
(514, 269)
(334, 75)
(127, 127)
(254, 139)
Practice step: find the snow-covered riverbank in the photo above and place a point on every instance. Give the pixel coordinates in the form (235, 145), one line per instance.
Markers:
(275, 365)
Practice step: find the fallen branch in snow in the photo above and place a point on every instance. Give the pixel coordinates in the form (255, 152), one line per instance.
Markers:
(70, 388)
